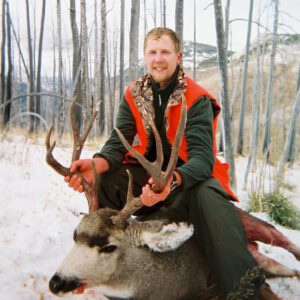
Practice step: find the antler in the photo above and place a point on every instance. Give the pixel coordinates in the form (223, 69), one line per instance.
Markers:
(153, 168)
(90, 189)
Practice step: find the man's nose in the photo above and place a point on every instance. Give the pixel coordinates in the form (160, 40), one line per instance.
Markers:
(158, 57)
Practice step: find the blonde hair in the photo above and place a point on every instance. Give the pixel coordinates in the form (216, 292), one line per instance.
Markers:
(158, 32)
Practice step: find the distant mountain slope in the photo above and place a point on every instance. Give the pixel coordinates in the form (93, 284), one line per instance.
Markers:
(206, 55)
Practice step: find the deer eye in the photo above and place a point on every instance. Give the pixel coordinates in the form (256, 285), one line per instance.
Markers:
(108, 249)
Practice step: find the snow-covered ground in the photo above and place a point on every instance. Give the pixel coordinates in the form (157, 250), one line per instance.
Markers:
(38, 213)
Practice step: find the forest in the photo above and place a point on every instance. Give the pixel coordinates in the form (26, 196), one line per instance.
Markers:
(88, 51)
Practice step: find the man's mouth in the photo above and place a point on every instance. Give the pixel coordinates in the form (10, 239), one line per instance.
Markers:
(159, 69)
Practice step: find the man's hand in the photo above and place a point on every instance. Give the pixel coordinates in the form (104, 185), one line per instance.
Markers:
(84, 166)
(150, 198)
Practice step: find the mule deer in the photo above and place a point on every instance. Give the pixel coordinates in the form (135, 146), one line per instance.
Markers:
(126, 258)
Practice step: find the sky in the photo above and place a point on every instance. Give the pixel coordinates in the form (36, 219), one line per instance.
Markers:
(205, 21)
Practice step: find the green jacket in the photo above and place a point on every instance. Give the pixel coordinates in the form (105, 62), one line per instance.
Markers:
(198, 134)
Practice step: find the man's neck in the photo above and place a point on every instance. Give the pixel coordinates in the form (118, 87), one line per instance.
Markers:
(167, 89)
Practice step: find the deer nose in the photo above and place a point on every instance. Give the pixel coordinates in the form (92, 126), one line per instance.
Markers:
(56, 284)
(59, 284)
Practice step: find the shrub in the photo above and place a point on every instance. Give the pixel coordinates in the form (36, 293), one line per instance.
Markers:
(281, 210)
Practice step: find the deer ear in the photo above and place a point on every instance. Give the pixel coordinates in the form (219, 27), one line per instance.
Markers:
(167, 237)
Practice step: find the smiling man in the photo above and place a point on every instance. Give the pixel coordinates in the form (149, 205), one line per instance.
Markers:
(198, 191)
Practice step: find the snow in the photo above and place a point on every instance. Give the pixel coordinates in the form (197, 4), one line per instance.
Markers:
(39, 213)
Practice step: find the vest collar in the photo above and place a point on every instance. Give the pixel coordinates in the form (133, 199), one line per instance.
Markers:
(143, 97)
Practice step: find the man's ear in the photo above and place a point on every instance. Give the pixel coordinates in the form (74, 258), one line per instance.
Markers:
(179, 57)
(166, 237)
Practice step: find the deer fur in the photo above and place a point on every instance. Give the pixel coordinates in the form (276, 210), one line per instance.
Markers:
(151, 260)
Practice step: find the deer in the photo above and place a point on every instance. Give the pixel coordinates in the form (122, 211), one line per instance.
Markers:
(123, 257)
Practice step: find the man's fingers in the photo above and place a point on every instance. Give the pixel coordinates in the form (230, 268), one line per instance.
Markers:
(75, 165)
(67, 178)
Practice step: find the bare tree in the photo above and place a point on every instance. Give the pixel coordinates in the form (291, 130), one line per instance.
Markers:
(76, 67)
(122, 34)
(241, 132)
(163, 13)
(256, 100)
(288, 147)
(61, 105)
(226, 21)
(102, 66)
(268, 112)
(3, 53)
(85, 93)
(195, 42)
(145, 17)
(31, 72)
(154, 13)
(134, 39)
(39, 66)
(222, 59)
(179, 19)
(8, 90)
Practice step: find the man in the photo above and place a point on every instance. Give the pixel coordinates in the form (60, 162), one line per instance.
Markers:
(198, 191)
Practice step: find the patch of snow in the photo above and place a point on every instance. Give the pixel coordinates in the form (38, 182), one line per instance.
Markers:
(39, 213)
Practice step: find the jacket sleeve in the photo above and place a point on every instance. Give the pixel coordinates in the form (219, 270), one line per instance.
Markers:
(199, 137)
(113, 150)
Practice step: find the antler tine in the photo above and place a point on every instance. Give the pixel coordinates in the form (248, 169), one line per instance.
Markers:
(159, 150)
(90, 189)
(52, 162)
(132, 204)
(79, 141)
(152, 167)
(59, 168)
(177, 141)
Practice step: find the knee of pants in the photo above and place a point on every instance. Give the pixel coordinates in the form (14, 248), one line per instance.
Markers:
(210, 197)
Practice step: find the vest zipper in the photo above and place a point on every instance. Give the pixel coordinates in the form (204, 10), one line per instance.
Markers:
(159, 98)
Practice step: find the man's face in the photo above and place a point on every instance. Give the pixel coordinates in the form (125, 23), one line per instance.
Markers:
(161, 59)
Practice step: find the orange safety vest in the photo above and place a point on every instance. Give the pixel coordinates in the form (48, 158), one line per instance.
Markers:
(193, 92)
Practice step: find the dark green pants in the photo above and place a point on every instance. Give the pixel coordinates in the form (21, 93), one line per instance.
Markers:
(218, 230)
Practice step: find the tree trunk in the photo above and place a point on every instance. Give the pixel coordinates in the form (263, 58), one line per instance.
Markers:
(179, 20)
(61, 102)
(8, 90)
(76, 66)
(31, 105)
(154, 13)
(3, 54)
(222, 59)
(85, 93)
(134, 39)
(195, 42)
(164, 20)
(256, 109)
(122, 34)
(241, 132)
(288, 147)
(109, 106)
(145, 18)
(39, 67)
(268, 113)
(102, 66)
